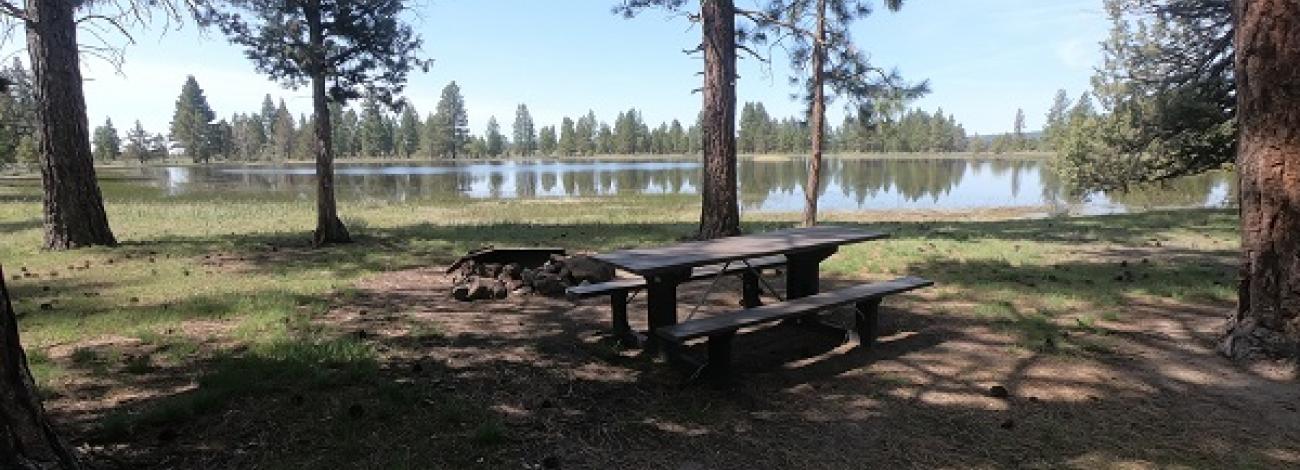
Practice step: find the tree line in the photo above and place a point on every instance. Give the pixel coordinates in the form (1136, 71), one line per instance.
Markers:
(273, 133)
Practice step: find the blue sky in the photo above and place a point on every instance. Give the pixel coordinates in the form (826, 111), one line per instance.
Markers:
(984, 59)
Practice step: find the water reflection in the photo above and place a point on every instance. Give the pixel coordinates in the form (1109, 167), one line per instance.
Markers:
(766, 184)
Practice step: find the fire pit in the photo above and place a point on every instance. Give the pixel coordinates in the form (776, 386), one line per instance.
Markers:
(497, 273)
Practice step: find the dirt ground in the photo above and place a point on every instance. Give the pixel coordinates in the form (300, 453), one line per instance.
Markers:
(1155, 396)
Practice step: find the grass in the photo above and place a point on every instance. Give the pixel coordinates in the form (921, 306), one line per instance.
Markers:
(230, 290)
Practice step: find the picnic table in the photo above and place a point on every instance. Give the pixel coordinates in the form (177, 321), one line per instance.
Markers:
(665, 267)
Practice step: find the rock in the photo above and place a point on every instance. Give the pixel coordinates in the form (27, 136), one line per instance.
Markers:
(998, 391)
(549, 284)
(479, 290)
(552, 267)
(492, 270)
(586, 268)
(528, 276)
(499, 290)
(512, 270)
(514, 284)
(461, 291)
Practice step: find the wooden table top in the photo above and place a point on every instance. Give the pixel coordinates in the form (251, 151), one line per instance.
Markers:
(647, 261)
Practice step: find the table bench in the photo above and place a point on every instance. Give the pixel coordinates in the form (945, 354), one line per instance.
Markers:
(721, 329)
(619, 289)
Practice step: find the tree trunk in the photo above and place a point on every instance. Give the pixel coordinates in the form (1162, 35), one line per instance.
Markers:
(329, 229)
(27, 441)
(720, 214)
(818, 119)
(1267, 47)
(74, 208)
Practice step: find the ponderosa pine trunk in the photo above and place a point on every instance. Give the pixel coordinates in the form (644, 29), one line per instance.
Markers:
(1267, 45)
(818, 118)
(329, 229)
(74, 207)
(720, 213)
(27, 440)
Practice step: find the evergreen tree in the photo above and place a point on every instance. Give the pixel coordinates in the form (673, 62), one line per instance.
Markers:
(568, 144)
(628, 133)
(585, 133)
(282, 133)
(525, 135)
(451, 129)
(1018, 140)
(354, 45)
(605, 140)
(108, 146)
(494, 141)
(1057, 120)
(1167, 95)
(546, 141)
(374, 139)
(824, 56)
(17, 111)
(137, 144)
(191, 125)
(269, 112)
(408, 138)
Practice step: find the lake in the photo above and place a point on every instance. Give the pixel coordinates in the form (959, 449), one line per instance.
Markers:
(766, 184)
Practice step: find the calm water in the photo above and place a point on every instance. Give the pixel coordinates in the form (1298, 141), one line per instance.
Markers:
(771, 185)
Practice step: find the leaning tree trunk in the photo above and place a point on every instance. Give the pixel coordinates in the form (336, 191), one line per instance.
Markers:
(27, 441)
(74, 208)
(329, 229)
(720, 214)
(818, 119)
(1267, 45)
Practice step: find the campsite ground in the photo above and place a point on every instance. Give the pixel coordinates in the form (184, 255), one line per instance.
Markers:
(214, 337)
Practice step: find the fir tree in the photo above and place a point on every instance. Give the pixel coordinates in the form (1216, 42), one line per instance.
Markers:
(525, 134)
(451, 123)
(568, 143)
(494, 141)
(108, 145)
(191, 125)
(408, 137)
(340, 48)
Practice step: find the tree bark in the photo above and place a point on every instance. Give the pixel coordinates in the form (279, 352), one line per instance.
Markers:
(74, 208)
(329, 229)
(1267, 45)
(27, 440)
(818, 119)
(720, 213)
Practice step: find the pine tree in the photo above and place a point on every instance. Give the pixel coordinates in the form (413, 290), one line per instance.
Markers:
(451, 123)
(525, 135)
(1057, 120)
(353, 45)
(108, 146)
(719, 209)
(269, 112)
(408, 138)
(568, 143)
(1018, 140)
(824, 55)
(282, 133)
(191, 125)
(495, 142)
(585, 133)
(137, 144)
(547, 144)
